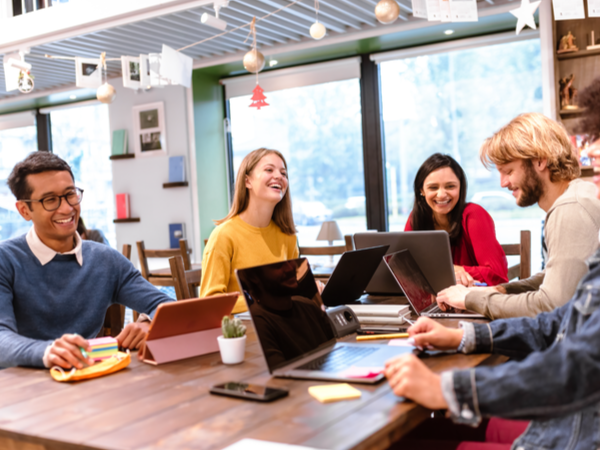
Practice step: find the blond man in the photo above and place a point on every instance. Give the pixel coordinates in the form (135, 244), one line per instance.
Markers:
(536, 162)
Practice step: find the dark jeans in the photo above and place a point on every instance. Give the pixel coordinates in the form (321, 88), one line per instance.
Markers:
(443, 434)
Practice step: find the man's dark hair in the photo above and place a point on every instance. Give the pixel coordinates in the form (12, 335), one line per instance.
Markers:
(36, 162)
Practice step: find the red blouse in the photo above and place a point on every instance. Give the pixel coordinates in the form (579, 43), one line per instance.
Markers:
(478, 250)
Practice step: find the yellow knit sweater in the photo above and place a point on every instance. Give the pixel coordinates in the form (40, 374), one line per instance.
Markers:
(236, 245)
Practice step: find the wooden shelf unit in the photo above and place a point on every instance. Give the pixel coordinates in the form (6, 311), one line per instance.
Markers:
(175, 185)
(130, 220)
(125, 156)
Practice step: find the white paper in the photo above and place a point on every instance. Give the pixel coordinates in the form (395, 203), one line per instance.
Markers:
(255, 444)
(155, 62)
(593, 8)
(419, 8)
(433, 10)
(400, 343)
(145, 72)
(88, 73)
(445, 13)
(176, 67)
(130, 69)
(463, 10)
(11, 74)
(568, 9)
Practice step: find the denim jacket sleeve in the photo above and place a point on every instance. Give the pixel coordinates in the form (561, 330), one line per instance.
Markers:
(561, 373)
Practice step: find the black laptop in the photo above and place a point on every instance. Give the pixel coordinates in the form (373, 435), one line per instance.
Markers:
(294, 331)
(352, 275)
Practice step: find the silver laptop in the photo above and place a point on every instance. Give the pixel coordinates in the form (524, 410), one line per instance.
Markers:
(431, 250)
(294, 331)
(417, 289)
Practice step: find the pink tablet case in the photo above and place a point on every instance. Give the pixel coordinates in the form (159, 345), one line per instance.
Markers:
(186, 328)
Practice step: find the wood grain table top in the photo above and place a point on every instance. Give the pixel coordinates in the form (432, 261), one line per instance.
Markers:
(169, 407)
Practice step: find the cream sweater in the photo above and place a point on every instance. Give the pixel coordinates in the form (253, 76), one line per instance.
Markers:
(237, 245)
(571, 235)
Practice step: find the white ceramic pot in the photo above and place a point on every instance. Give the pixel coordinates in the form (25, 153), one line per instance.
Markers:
(232, 349)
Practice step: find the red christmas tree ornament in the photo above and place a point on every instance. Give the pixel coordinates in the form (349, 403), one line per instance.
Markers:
(258, 99)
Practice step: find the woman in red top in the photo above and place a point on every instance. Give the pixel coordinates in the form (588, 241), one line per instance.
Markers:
(440, 204)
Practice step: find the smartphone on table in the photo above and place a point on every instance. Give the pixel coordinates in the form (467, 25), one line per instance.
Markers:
(248, 391)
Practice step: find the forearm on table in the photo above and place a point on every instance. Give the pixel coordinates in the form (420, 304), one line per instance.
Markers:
(16, 350)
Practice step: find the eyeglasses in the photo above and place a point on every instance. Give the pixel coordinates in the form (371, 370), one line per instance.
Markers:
(52, 202)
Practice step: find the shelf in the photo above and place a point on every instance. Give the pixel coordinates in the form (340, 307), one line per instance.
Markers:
(571, 112)
(175, 185)
(579, 54)
(587, 171)
(125, 156)
(131, 219)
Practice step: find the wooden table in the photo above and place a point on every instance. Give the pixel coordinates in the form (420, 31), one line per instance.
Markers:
(169, 407)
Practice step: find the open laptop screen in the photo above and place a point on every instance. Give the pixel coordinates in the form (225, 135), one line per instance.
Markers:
(410, 277)
(286, 309)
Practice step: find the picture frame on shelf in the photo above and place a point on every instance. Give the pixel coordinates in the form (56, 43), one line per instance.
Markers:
(130, 67)
(149, 130)
(88, 73)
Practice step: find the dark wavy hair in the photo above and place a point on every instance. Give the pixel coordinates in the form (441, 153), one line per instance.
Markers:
(589, 99)
(422, 214)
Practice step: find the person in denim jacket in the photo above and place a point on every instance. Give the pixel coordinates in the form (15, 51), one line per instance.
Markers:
(553, 378)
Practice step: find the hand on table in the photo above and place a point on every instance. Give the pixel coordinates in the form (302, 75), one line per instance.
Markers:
(463, 277)
(429, 334)
(65, 352)
(133, 335)
(410, 378)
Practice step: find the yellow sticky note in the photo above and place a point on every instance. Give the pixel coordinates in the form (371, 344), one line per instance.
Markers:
(334, 392)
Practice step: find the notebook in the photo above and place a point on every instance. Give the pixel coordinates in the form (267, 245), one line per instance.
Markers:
(295, 334)
(417, 289)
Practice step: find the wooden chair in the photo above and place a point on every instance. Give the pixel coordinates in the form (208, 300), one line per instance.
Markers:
(328, 249)
(115, 314)
(186, 282)
(162, 279)
(522, 249)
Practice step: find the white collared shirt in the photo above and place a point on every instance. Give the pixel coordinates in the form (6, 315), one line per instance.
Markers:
(45, 254)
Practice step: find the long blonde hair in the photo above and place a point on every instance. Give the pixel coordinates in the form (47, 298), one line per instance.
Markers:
(282, 214)
(533, 136)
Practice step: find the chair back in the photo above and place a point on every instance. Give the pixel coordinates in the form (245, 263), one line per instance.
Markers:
(185, 281)
(329, 249)
(184, 251)
(523, 250)
(115, 314)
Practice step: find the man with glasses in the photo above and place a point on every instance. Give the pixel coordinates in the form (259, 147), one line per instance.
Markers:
(54, 287)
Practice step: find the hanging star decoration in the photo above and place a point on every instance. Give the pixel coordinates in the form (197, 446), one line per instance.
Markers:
(258, 99)
(524, 14)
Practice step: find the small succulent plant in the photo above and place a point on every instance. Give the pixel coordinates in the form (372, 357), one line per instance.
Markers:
(232, 328)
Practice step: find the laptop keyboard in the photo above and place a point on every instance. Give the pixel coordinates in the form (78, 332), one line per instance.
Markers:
(338, 359)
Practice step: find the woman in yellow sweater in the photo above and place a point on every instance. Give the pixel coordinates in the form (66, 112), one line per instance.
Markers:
(259, 228)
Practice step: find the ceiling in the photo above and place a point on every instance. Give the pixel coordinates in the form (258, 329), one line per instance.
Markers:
(344, 19)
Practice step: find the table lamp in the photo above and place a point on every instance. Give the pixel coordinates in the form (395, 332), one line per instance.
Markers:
(330, 231)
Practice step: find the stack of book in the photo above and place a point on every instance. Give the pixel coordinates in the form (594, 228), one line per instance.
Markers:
(381, 314)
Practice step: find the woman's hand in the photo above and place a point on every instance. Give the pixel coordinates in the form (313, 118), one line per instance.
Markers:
(429, 334)
(463, 277)
(454, 297)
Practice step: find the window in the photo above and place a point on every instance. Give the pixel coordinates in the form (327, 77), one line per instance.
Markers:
(318, 129)
(81, 136)
(450, 102)
(15, 145)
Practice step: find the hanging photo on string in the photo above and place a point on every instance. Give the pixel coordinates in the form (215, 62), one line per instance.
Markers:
(88, 73)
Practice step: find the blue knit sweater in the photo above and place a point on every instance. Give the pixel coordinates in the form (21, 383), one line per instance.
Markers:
(41, 303)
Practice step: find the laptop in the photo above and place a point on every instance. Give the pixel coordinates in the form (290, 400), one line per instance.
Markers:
(417, 289)
(295, 333)
(351, 275)
(431, 250)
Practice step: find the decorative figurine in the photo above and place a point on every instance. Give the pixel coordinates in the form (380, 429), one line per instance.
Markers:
(567, 44)
(568, 94)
